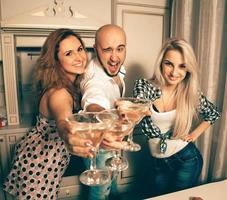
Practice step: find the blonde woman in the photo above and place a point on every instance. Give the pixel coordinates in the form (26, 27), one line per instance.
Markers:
(177, 103)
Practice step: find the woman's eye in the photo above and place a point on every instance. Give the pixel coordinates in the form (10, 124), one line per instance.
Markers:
(183, 66)
(80, 49)
(167, 63)
(68, 53)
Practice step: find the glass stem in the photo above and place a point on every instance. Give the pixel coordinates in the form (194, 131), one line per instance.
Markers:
(130, 137)
(115, 174)
(116, 154)
(93, 162)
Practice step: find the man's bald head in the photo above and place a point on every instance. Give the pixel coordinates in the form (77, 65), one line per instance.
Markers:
(110, 46)
(108, 29)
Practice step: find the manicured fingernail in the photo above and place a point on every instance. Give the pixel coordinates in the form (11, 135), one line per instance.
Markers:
(88, 144)
(92, 149)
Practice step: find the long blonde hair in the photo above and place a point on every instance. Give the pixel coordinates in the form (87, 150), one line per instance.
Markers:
(48, 70)
(187, 91)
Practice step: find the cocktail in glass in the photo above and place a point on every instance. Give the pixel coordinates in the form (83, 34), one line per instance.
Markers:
(88, 126)
(119, 129)
(133, 109)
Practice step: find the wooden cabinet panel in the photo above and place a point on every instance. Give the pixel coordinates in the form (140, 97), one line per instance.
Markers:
(76, 14)
(146, 28)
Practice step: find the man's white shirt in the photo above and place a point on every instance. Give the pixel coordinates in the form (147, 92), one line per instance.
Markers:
(99, 88)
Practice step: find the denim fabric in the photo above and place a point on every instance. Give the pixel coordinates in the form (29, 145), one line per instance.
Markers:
(101, 192)
(179, 171)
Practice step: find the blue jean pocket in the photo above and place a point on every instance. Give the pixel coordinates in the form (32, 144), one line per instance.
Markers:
(190, 156)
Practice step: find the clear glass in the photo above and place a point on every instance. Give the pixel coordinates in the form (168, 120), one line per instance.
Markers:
(88, 126)
(134, 110)
(119, 129)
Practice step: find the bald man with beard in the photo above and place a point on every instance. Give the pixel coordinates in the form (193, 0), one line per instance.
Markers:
(102, 85)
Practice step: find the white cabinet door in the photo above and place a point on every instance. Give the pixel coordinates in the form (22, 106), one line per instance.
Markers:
(146, 26)
(7, 146)
(7, 150)
(11, 141)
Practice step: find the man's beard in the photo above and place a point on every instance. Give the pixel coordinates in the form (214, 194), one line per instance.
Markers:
(106, 71)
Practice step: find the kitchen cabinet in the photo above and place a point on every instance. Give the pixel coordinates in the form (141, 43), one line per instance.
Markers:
(8, 139)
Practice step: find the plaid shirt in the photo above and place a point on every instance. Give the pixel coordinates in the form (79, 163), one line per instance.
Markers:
(145, 90)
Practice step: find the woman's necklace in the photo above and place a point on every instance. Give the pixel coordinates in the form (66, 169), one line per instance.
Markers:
(169, 100)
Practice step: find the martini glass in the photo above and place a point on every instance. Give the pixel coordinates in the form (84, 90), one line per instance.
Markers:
(133, 110)
(88, 126)
(119, 128)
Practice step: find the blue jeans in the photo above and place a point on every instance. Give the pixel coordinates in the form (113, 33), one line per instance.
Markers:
(101, 192)
(179, 171)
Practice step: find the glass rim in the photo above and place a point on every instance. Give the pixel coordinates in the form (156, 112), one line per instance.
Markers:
(119, 119)
(133, 98)
(95, 114)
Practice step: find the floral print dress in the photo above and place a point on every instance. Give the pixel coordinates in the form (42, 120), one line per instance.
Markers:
(40, 160)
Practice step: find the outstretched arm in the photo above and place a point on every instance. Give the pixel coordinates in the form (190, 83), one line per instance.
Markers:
(61, 105)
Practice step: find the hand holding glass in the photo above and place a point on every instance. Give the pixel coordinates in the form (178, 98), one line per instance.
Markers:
(88, 126)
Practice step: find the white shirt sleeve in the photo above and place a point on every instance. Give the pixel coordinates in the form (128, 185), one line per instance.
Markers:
(98, 88)
(93, 88)
(94, 93)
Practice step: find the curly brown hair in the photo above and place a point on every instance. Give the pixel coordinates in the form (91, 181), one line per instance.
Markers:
(48, 70)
